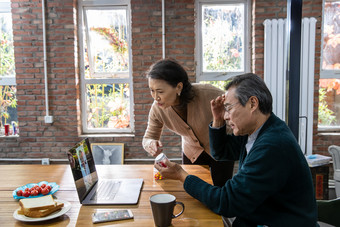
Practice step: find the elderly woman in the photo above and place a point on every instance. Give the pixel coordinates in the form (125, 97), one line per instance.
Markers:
(183, 108)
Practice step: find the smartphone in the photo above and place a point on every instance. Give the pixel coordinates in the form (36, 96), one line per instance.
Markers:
(104, 215)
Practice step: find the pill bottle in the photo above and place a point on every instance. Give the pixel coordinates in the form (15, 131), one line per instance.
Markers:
(160, 159)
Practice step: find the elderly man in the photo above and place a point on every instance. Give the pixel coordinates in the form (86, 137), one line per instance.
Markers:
(273, 185)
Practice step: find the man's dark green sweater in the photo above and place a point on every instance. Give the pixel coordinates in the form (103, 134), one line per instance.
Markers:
(273, 185)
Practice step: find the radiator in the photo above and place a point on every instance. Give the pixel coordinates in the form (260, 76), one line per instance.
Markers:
(275, 66)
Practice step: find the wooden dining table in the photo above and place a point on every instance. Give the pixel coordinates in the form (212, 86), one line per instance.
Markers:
(14, 176)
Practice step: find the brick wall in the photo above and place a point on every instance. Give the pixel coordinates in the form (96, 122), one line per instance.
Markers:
(147, 48)
(40, 140)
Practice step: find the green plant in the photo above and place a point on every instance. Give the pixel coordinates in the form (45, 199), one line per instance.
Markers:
(331, 36)
(108, 108)
(329, 88)
(7, 99)
(326, 116)
(219, 83)
(222, 40)
(7, 68)
(6, 55)
(114, 59)
(111, 34)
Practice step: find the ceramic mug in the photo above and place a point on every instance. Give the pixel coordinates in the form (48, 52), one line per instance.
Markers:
(162, 206)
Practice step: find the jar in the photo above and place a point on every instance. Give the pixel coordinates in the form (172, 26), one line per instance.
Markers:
(160, 159)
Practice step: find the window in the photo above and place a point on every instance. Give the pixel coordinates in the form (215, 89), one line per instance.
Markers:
(329, 84)
(223, 39)
(8, 101)
(106, 77)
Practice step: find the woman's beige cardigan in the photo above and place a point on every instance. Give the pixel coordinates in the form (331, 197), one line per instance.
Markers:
(194, 132)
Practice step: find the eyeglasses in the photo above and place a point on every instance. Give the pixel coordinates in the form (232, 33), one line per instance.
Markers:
(228, 107)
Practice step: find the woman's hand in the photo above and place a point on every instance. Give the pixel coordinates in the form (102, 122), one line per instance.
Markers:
(217, 109)
(172, 171)
(153, 147)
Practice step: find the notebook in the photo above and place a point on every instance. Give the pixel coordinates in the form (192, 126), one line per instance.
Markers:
(92, 190)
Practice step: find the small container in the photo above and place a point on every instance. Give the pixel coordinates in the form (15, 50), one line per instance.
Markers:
(14, 132)
(6, 129)
(160, 161)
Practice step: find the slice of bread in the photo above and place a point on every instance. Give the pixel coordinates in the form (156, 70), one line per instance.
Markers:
(40, 213)
(40, 203)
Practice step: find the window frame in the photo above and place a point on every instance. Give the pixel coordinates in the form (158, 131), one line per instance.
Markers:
(330, 73)
(103, 4)
(217, 76)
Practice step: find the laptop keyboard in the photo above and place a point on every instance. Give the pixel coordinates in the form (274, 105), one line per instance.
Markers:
(106, 190)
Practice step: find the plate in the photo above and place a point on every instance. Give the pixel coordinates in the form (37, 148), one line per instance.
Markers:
(56, 214)
(53, 185)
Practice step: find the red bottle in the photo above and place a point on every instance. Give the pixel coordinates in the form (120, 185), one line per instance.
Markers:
(6, 129)
(160, 159)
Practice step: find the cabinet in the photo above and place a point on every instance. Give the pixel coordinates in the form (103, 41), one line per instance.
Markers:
(320, 175)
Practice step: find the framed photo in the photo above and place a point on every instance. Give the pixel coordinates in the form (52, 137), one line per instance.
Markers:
(108, 153)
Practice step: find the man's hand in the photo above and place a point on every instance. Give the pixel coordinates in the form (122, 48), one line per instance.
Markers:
(153, 147)
(172, 171)
(217, 109)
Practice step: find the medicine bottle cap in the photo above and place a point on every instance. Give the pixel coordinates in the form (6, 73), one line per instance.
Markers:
(160, 157)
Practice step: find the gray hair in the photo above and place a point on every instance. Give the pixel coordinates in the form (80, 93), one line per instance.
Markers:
(248, 85)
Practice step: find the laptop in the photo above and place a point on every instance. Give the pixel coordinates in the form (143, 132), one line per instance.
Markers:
(93, 191)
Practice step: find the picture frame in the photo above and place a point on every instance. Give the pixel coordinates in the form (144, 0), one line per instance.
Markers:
(108, 153)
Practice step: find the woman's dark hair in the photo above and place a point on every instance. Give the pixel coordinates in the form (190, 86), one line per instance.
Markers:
(248, 85)
(173, 73)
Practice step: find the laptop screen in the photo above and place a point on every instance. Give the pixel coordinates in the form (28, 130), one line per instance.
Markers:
(83, 167)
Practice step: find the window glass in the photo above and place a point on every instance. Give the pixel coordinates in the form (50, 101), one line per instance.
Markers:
(329, 103)
(221, 84)
(108, 106)
(107, 32)
(8, 100)
(7, 67)
(222, 39)
(329, 84)
(331, 37)
(106, 75)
